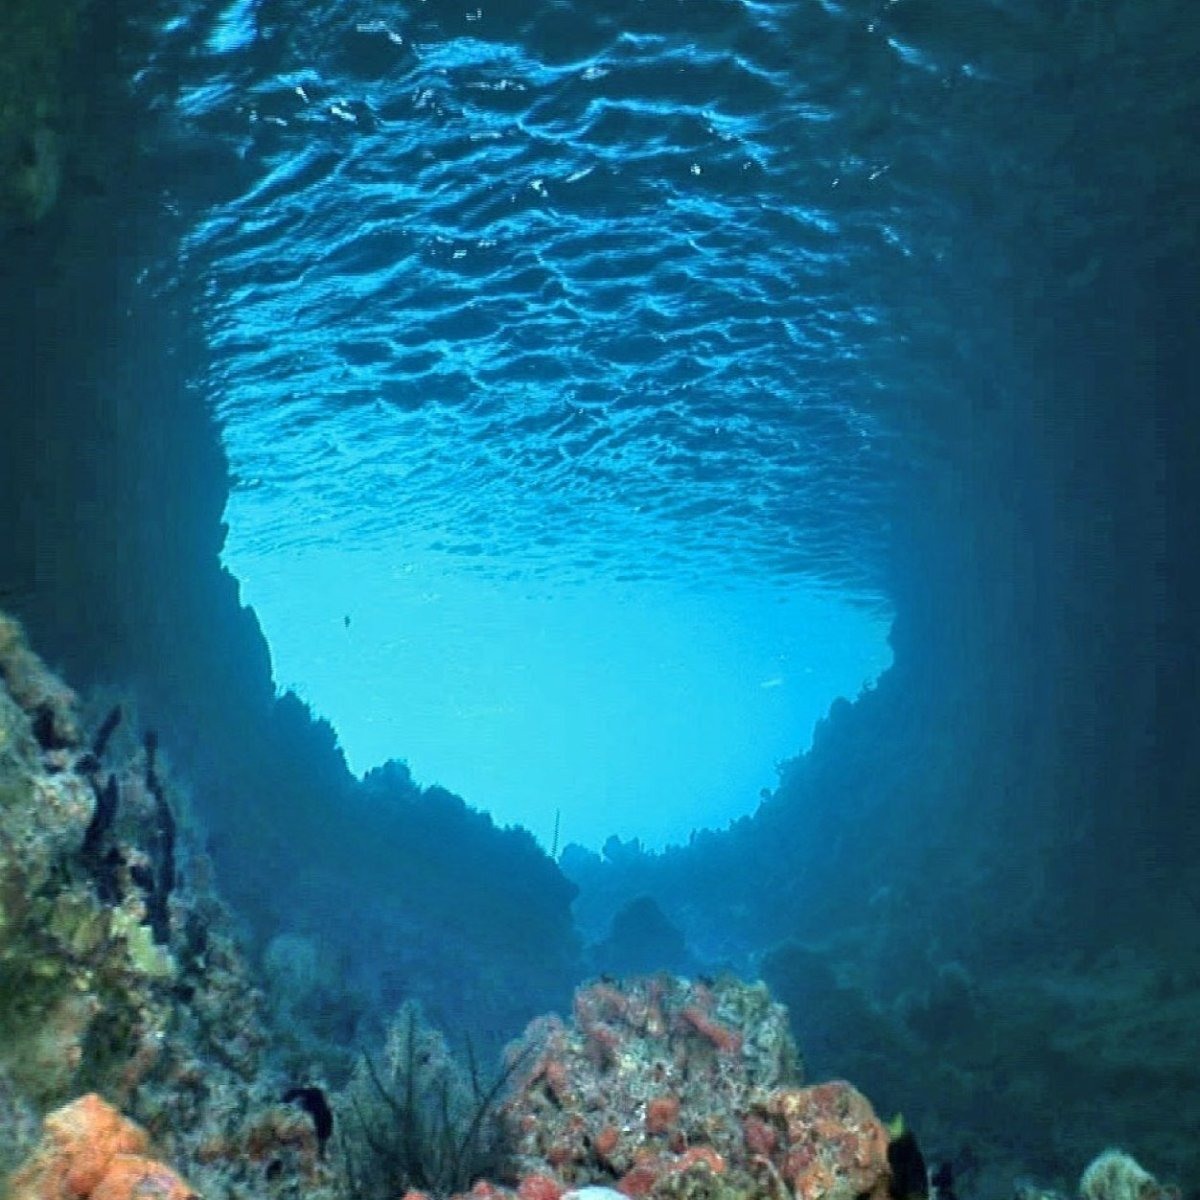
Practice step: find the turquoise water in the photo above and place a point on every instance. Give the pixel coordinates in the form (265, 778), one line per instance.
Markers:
(598, 384)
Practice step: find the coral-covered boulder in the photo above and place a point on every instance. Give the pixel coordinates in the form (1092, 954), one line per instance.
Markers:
(1115, 1175)
(649, 1083)
(831, 1143)
(667, 1089)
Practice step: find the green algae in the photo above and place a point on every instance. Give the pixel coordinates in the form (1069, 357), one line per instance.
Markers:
(146, 957)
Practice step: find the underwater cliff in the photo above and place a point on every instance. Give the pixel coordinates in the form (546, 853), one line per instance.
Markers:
(138, 1058)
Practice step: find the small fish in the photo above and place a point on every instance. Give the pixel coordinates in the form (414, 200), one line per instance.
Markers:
(910, 1179)
(312, 1100)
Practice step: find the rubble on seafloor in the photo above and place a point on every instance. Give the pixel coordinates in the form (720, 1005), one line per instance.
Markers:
(135, 1057)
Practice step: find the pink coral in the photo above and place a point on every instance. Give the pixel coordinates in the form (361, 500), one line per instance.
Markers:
(833, 1141)
(539, 1187)
(726, 1040)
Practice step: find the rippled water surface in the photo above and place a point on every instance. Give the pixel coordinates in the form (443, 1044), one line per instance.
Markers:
(559, 288)
(663, 292)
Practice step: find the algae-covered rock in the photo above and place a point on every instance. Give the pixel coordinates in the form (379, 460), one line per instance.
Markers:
(34, 689)
(653, 1087)
(73, 960)
(1115, 1175)
(38, 39)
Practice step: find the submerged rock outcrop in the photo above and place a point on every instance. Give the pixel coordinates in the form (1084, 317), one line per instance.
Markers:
(138, 1058)
(119, 974)
(37, 39)
(662, 1087)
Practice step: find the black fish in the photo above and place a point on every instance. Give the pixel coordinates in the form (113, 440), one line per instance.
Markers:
(312, 1100)
(910, 1180)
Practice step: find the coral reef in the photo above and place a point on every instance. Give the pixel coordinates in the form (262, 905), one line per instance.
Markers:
(662, 1087)
(1114, 1175)
(120, 978)
(117, 976)
(658, 1087)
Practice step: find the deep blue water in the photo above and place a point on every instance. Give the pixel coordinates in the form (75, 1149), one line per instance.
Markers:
(652, 298)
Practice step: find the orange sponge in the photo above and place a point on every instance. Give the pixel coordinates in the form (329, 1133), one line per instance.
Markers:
(89, 1151)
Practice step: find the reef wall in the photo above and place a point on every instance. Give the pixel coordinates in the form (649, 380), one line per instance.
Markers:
(113, 482)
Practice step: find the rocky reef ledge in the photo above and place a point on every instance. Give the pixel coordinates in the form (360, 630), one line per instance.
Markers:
(137, 1060)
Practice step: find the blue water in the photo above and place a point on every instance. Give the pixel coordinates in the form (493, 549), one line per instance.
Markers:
(537, 327)
(598, 381)
(552, 293)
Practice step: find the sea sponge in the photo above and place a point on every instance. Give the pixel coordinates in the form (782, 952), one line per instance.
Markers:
(78, 1142)
(135, 1177)
(89, 1151)
(1114, 1175)
(834, 1145)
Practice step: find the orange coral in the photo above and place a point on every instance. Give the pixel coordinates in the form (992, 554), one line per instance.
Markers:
(539, 1187)
(89, 1151)
(761, 1138)
(642, 1178)
(600, 1002)
(726, 1040)
(134, 1177)
(606, 1141)
(703, 1155)
(639, 1180)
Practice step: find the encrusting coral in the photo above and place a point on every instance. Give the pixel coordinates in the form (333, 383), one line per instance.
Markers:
(658, 1087)
(662, 1087)
(118, 974)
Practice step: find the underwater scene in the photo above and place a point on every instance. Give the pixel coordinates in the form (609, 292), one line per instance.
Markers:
(600, 600)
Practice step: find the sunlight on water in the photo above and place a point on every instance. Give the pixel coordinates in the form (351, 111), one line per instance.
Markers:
(558, 374)
(642, 710)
